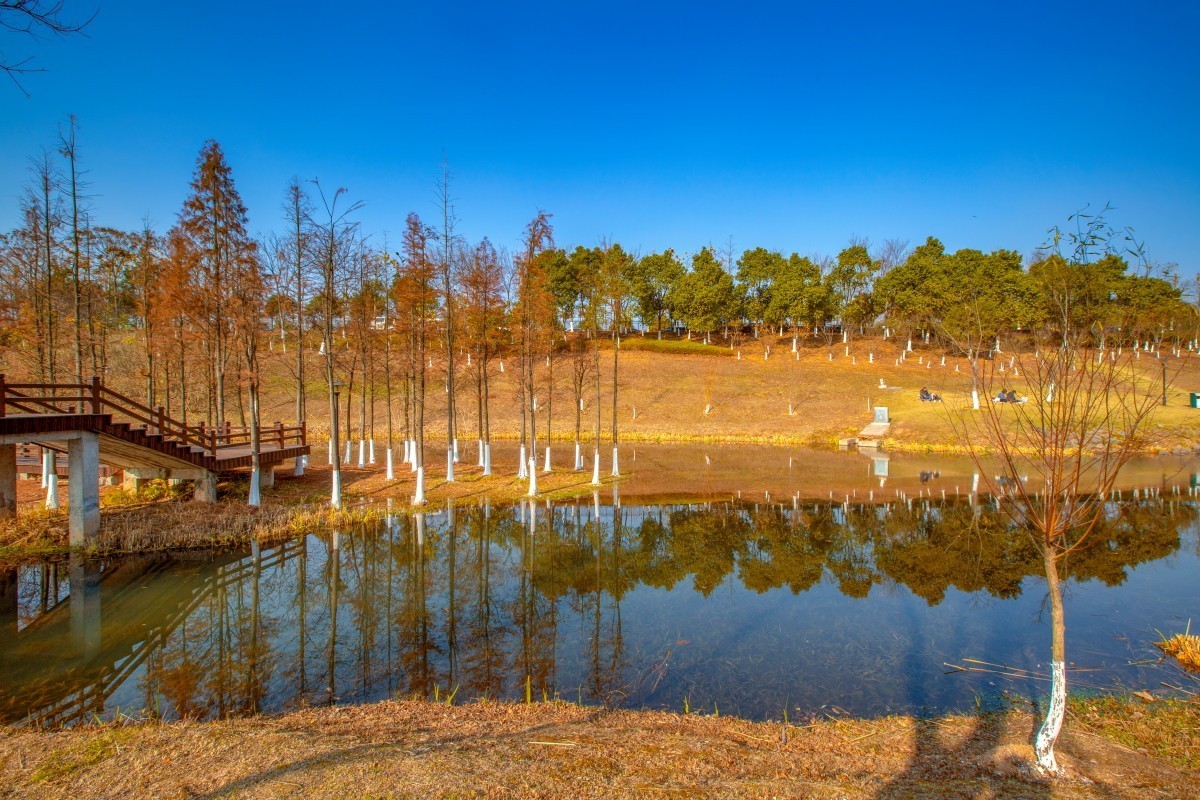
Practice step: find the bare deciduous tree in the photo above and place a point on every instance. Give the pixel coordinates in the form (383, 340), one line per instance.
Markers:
(36, 19)
(1060, 451)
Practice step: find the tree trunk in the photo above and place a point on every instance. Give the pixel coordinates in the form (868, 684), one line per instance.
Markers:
(1047, 735)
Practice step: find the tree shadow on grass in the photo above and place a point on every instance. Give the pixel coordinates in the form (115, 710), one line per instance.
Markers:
(991, 759)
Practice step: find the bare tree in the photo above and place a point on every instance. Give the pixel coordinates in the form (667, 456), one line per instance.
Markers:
(333, 233)
(36, 19)
(1061, 450)
(69, 149)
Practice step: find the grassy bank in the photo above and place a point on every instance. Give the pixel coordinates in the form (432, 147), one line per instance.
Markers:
(160, 517)
(687, 391)
(426, 749)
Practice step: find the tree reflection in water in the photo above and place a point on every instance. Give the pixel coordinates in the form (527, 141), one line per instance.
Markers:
(748, 606)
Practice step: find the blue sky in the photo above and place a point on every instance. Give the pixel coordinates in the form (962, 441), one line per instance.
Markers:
(789, 125)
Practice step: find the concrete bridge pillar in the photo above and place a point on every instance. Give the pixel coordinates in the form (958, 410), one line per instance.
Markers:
(8, 480)
(83, 488)
(206, 487)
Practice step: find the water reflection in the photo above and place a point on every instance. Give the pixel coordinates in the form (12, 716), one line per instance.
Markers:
(749, 607)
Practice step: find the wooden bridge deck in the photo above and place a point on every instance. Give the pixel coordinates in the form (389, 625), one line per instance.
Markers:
(127, 446)
(96, 424)
(133, 435)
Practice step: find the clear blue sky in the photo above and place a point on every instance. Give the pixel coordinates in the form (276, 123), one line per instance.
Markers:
(789, 125)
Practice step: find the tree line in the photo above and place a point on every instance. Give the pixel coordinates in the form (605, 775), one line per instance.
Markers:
(182, 318)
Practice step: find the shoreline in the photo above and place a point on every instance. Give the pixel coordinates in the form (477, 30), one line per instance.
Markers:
(425, 748)
(161, 518)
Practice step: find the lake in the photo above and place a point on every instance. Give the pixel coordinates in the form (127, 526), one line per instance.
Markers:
(761, 601)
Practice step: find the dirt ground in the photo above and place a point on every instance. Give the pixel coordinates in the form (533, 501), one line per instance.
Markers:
(557, 750)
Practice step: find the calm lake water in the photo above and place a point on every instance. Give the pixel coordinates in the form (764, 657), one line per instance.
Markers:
(752, 608)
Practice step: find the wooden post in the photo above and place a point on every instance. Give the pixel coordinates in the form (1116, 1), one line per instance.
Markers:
(279, 433)
(94, 386)
(161, 414)
(8, 479)
(2, 398)
(212, 442)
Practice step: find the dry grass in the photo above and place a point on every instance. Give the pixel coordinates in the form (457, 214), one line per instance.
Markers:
(666, 386)
(1164, 729)
(1184, 648)
(554, 750)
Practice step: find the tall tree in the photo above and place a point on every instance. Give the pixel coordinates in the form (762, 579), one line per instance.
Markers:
(419, 278)
(758, 273)
(246, 310)
(614, 280)
(535, 322)
(212, 231)
(482, 283)
(295, 253)
(333, 236)
(69, 149)
(705, 297)
(651, 279)
(446, 270)
(1085, 420)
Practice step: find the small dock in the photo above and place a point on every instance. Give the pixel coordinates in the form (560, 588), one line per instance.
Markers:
(871, 435)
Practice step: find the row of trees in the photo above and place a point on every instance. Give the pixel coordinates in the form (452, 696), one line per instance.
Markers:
(192, 310)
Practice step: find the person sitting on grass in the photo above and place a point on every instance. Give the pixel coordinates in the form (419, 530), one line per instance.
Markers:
(929, 397)
(1002, 396)
(1011, 397)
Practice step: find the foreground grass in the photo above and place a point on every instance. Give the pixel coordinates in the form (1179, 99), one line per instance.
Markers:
(418, 748)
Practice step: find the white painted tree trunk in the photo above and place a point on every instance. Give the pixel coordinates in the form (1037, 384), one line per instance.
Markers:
(479, 449)
(1047, 735)
(616, 471)
(419, 493)
(975, 399)
(449, 464)
(521, 473)
(362, 453)
(487, 458)
(532, 477)
(578, 457)
(301, 463)
(391, 469)
(335, 490)
(346, 457)
(546, 468)
(255, 498)
(331, 451)
(596, 467)
(456, 450)
(371, 452)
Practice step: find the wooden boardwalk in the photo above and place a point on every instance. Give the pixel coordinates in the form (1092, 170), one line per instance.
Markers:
(94, 424)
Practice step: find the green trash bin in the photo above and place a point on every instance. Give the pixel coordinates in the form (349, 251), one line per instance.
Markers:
(1195, 399)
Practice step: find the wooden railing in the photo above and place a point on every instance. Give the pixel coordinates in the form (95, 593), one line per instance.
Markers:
(94, 397)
